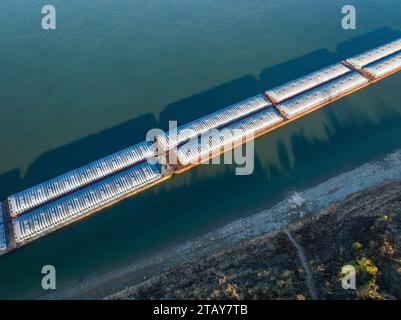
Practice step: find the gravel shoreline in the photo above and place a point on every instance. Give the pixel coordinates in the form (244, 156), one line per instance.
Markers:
(295, 207)
(305, 260)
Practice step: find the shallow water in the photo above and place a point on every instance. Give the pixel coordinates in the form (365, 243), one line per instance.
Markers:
(113, 70)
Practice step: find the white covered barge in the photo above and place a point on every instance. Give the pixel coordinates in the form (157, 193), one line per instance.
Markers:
(73, 196)
(323, 94)
(218, 119)
(84, 202)
(384, 67)
(368, 57)
(78, 178)
(305, 83)
(194, 152)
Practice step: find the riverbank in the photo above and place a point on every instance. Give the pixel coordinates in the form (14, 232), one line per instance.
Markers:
(297, 207)
(302, 261)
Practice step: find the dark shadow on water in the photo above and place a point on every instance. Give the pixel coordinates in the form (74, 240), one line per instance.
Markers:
(298, 67)
(91, 148)
(78, 153)
(211, 100)
(242, 88)
(141, 224)
(10, 182)
(367, 41)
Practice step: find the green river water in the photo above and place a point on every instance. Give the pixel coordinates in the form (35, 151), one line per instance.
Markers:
(114, 69)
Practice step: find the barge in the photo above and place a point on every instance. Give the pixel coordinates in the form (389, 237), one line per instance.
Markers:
(76, 195)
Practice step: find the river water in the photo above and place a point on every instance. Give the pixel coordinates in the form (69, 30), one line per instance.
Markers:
(114, 69)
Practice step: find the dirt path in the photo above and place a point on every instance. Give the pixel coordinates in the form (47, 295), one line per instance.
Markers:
(305, 265)
(364, 231)
(296, 206)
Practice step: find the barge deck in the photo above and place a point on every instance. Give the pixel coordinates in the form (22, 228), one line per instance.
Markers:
(76, 195)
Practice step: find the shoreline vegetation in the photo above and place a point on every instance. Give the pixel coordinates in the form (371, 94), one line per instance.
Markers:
(294, 250)
(302, 261)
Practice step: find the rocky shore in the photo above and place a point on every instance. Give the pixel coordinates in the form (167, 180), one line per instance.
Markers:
(294, 250)
(302, 261)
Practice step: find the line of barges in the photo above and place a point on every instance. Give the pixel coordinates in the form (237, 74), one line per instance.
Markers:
(75, 195)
